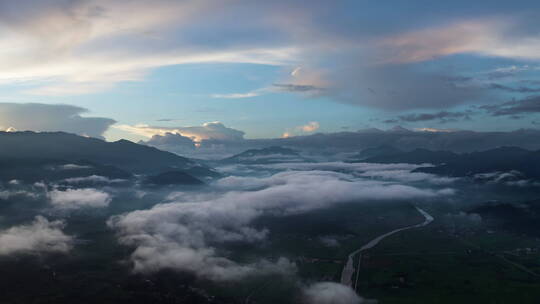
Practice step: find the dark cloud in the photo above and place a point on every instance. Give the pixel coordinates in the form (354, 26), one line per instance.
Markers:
(529, 105)
(520, 89)
(531, 81)
(45, 117)
(443, 116)
(401, 87)
(295, 88)
(495, 75)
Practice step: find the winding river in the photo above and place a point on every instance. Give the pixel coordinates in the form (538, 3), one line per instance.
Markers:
(348, 270)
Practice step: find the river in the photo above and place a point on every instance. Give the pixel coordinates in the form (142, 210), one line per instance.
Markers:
(348, 270)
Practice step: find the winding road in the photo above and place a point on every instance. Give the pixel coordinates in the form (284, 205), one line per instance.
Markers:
(348, 270)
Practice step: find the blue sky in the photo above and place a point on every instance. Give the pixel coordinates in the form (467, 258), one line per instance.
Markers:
(274, 68)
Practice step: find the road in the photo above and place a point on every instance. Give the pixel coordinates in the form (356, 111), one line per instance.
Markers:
(348, 270)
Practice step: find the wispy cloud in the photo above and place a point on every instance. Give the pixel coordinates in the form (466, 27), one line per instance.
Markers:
(236, 95)
(489, 37)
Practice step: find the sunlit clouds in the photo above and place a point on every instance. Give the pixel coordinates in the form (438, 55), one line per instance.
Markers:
(210, 130)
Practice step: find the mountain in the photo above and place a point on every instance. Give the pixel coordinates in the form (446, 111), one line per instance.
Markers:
(521, 163)
(399, 129)
(458, 141)
(269, 155)
(173, 178)
(35, 170)
(504, 159)
(380, 151)
(65, 147)
(417, 156)
(522, 217)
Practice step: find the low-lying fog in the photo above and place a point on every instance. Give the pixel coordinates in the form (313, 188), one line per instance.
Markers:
(219, 232)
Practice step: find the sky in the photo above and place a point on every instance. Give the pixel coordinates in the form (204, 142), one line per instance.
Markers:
(266, 69)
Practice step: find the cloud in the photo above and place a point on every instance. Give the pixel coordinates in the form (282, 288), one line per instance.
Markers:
(79, 198)
(275, 88)
(297, 88)
(310, 127)
(510, 178)
(81, 47)
(398, 87)
(183, 234)
(329, 241)
(520, 89)
(209, 130)
(172, 142)
(442, 116)
(330, 293)
(237, 95)
(528, 105)
(488, 37)
(73, 167)
(510, 71)
(93, 179)
(41, 236)
(389, 172)
(77, 51)
(45, 117)
(8, 194)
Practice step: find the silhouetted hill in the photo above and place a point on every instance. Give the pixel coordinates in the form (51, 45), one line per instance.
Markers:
(122, 154)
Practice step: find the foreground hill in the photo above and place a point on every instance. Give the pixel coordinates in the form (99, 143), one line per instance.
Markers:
(122, 154)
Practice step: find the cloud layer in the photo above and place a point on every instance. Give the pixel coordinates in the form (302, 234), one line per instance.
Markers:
(330, 293)
(184, 234)
(41, 236)
(79, 198)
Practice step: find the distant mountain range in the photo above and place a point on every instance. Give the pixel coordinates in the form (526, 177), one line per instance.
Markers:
(503, 159)
(380, 151)
(458, 141)
(55, 155)
(417, 156)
